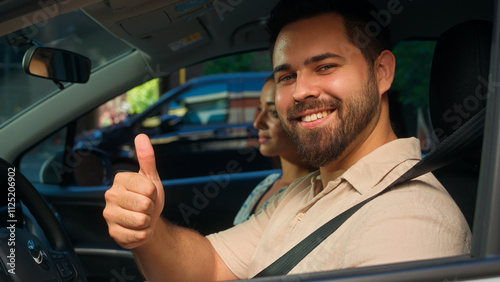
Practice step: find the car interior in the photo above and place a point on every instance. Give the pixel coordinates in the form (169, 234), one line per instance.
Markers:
(130, 42)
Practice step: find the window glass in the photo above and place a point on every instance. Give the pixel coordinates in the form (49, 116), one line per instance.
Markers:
(410, 91)
(44, 162)
(201, 127)
(52, 162)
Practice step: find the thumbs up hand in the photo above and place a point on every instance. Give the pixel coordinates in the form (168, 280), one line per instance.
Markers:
(135, 201)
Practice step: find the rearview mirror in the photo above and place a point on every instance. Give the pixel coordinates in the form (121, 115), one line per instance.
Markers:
(56, 64)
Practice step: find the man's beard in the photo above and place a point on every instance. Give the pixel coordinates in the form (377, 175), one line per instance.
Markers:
(321, 146)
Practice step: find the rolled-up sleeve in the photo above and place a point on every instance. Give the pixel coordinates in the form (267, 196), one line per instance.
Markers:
(236, 246)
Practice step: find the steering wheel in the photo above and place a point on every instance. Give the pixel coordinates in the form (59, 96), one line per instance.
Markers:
(23, 256)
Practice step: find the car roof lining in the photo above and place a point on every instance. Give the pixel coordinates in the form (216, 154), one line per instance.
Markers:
(217, 32)
(160, 29)
(233, 30)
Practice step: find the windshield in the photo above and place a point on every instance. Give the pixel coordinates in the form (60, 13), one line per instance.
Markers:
(74, 32)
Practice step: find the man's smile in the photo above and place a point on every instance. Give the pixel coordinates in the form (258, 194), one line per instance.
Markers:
(315, 116)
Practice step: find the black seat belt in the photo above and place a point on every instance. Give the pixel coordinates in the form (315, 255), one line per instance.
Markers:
(451, 149)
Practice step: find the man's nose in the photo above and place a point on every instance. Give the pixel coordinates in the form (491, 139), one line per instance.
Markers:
(305, 88)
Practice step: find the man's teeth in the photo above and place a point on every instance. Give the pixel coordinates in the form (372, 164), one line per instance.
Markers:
(315, 116)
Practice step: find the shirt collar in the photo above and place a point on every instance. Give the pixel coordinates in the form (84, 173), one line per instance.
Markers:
(372, 169)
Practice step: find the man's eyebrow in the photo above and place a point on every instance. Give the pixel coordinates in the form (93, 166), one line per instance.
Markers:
(283, 67)
(315, 59)
(270, 103)
(322, 57)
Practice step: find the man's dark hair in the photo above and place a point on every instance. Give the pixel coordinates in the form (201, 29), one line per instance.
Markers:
(361, 28)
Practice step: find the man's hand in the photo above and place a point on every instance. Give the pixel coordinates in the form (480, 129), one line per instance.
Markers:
(135, 201)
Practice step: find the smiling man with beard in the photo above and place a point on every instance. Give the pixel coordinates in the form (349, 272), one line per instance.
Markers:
(332, 98)
(324, 144)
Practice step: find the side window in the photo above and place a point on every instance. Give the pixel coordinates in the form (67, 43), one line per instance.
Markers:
(200, 126)
(43, 163)
(55, 163)
(409, 105)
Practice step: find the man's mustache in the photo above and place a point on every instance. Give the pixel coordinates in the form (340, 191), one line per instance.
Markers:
(302, 106)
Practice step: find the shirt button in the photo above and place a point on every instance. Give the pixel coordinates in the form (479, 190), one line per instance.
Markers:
(300, 216)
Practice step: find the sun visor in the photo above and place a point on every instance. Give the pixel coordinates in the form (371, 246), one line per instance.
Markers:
(147, 23)
(178, 39)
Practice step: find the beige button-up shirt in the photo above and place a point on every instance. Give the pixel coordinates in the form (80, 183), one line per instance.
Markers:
(412, 221)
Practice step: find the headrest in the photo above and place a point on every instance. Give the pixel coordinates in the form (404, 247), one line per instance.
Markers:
(459, 76)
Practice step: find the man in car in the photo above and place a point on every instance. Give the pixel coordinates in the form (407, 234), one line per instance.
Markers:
(332, 73)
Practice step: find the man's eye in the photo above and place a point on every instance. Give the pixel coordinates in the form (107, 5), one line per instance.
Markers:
(326, 67)
(286, 78)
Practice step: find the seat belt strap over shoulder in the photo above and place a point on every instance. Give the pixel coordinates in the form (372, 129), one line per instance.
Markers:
(289, 260)
(445, 153)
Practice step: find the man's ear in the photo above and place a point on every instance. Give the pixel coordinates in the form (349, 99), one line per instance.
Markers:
(385, 66)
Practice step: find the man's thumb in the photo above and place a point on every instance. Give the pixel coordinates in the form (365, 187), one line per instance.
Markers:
(146, 157)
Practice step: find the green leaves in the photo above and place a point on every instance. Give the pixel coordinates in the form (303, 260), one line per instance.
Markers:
(142, 96)
(413, 68)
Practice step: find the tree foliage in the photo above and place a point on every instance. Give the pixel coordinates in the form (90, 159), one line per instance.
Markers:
(142, 96)
(413, 68)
